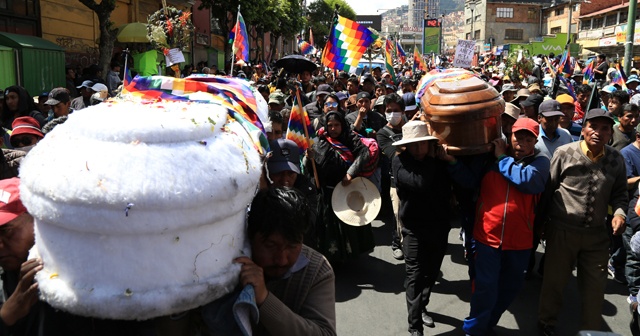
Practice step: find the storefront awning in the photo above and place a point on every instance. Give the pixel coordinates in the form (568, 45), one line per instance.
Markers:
(27, 41)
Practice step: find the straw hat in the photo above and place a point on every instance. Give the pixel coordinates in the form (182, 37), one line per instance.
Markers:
(358, 203)
(414, 131)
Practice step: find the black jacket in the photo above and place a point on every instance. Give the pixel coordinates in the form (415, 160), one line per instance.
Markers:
(424, 189)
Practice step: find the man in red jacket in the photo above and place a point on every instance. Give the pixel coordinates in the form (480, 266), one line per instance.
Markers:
(503, 230)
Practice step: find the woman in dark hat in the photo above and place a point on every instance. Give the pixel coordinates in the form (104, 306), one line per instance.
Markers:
(339, 155)
(18, 103)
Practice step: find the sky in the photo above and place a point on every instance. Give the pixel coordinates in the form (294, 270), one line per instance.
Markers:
(369, 7)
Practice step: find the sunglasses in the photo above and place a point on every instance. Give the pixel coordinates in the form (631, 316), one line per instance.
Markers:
(331, 104)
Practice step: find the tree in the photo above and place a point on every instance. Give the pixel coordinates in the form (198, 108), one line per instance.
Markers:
(107, 33)
(321, 17)
(290, 22)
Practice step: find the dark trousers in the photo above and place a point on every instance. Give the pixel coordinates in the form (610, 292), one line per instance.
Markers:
(618, 253)
(632, 266)
(499, 278)
(423, 255)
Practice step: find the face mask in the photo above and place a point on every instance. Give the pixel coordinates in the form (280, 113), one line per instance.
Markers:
(394, 118)
(26, 149)
(117, 73)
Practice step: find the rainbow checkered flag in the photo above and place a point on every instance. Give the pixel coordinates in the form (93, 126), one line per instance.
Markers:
(298, 120)
(347, 42)
(240, 40)
(388, 60)
(305, 47)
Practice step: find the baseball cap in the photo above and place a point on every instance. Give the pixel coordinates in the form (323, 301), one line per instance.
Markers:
(10, 205)
(526, 124)
(508, 87)
(512, 111)
(97, 87)
(533, 100)
(342, 96)
(564, 99)
(550, 108)
(379, 101)
(86, 84)
(276, 98)
(409, 101)
(633, 79)
(368, 78)
(598, 113)
(323, 89)
(362, 95)
(608, 89)
(285, 156)
(58, 95)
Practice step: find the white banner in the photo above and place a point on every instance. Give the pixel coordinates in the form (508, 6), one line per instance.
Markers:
(464, 54)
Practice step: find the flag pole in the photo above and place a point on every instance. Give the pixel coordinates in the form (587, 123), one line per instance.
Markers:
(306, 135)
(235, 36)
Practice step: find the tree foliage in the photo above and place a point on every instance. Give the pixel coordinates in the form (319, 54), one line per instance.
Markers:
(107, 33)
(321, 17)
(279, 17)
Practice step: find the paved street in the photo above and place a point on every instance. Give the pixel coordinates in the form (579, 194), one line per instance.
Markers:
(370, 297)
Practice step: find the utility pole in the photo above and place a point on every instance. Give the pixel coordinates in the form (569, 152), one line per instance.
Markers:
(631, 28)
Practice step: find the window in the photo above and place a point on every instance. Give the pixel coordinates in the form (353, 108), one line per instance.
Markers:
(559, 11)
(623, 16)
(611, 20)
(468, 37)
(585, 24)
(597, 23)
(476, 35)
(532, 14)
(556, 30)
(469, 21)
(513, 34)
(504, 12)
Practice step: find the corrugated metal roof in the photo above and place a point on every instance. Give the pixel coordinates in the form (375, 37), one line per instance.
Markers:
(26, 41)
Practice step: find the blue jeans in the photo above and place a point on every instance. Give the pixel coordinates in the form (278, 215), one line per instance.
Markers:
(499, 277)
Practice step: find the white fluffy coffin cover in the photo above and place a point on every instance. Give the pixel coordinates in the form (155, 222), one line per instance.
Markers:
(140, 208)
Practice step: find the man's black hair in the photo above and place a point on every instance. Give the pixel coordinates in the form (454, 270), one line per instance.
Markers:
(275, 117)
(630, 107)
(622, 95)
(353, 81)
(394, 98)
(584, 89)
(263, 88)
(279, 210)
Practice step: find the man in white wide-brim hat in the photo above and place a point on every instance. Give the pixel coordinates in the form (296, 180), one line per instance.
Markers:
(424, 189)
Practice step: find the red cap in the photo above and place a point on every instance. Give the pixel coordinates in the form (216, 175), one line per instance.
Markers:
(10, 205)
(26, 125)
(526, 124)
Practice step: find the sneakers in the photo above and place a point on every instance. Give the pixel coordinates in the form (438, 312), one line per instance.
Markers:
(546, 330)
(416, 333)
(631, 299)
(397, 253)
(427, 320)
(616, 275)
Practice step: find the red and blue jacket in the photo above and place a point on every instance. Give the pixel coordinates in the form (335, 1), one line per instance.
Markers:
(509, 193)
